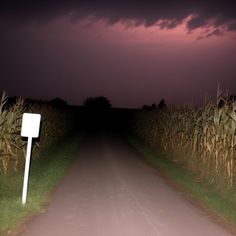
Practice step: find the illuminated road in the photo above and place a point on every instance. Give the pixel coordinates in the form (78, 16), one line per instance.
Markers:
(110, 191)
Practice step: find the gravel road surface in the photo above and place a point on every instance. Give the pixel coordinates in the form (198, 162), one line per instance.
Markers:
(110, 191)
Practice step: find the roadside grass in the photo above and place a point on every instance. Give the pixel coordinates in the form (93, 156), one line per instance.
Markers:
(222, 204)
(45, 173)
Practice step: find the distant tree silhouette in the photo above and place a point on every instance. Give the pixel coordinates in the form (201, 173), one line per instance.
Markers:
(162, 104)
(146, 107)
(153, 106)
(97, 103)
(58, 102)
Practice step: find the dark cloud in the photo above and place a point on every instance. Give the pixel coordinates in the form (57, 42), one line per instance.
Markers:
(208, 33)
(215, 32)
(232, 27)
(168, 14)
(196, 22)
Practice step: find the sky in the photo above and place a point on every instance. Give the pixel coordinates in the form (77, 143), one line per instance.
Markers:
(132, 52)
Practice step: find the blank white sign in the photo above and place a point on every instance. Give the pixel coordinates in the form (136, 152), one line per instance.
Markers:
(30, 125)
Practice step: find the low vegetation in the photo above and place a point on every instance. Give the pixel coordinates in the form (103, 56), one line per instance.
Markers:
(56, 122)
(51, 155)
(196, 146)
(46, 171)
(201, 139)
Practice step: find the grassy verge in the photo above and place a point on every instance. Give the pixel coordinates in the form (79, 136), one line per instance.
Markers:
(222, 204)
(44, 176)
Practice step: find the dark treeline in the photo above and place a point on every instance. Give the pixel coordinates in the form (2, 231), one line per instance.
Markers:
(161, 105)
(96, 115)
(57, 102)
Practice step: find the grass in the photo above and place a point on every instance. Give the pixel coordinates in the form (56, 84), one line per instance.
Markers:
(45, 174)
(222, 204)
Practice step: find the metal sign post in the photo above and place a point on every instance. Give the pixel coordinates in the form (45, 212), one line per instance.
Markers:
(26, 174)
(30, 128)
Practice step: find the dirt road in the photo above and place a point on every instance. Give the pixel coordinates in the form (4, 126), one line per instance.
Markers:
(110, 191)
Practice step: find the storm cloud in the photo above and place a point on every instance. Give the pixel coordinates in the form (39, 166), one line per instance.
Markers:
(167, 14)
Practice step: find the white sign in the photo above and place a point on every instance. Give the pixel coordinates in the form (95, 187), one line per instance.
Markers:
(30, 125)
(30, 128)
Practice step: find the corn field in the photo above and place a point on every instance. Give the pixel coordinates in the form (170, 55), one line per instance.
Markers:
(202, 139)
(55, 123)
(11, 144)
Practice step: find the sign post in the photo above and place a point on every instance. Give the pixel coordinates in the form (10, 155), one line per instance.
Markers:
(30, 128)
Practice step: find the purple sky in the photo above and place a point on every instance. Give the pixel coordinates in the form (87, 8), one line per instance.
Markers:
(132, 52)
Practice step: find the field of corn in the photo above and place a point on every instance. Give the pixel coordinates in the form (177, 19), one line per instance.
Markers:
(200, 139)
(55, 122)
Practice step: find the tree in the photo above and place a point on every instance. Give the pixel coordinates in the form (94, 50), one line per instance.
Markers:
(162, 104)
(153, 106)
(146, 107)
(58, 102)
(97, 103)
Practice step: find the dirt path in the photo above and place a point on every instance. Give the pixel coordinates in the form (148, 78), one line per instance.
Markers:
(109, 191)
